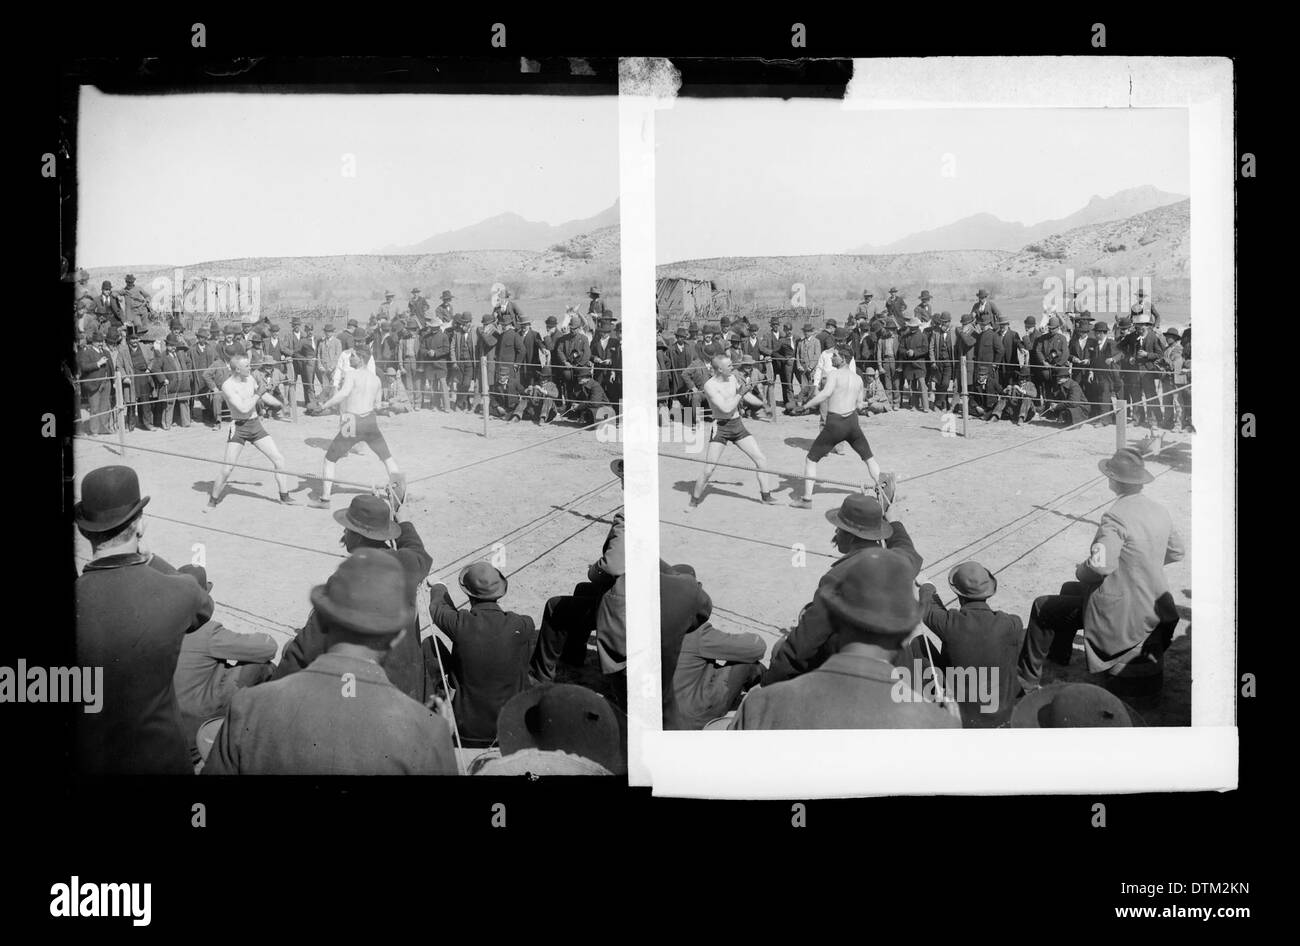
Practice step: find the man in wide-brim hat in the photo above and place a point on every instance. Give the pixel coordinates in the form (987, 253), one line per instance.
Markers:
(343, 716)
(861, 524)
(871, 607)
(491, 648)
(133, 611)
(560, 729)
(1120, 598)
(371, 522)
(980, 643)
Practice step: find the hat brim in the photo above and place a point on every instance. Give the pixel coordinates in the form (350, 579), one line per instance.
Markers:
(494, 596)
(885, 531)
(1104, 466)
(616, 467)
(98, 526)
(972, 597)
(342, 518)
(512, 731)
(1025, 714)
(362, 622)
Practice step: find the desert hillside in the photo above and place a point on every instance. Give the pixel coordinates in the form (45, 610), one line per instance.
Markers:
(1154, 243)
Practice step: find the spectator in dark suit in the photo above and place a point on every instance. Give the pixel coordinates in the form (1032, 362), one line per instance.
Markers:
(95, 368)
(509, 358)
(175, 377)
(1103, 356)
(108, 307)
(979, 643)
(133, 611)
(340, 715)
(490, 650)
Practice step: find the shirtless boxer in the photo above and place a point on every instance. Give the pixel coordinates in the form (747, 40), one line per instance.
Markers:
(242, 393)
(360, 394)
(842, 394)
(725, 396)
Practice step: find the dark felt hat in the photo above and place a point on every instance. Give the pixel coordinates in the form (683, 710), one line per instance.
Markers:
(552, 320)
(110, 496)
(982, 294)
(369, 516)
(483, 581)
(368, 594)
(106, 284)
(1126, 466)
(1072, 706)
(862, 516)
(563, 717)
(872, 592)
(972, 580)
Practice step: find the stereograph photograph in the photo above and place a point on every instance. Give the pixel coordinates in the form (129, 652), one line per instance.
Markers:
(928, 420)
(809, 446)
(344, 503)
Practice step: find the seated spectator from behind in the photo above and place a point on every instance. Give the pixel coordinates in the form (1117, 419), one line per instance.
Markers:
(490, 650)
(340, 715)
(368, 523)
(871, 608)
(1120, 597)
(133, 612)
(713, 669)
(214, 663)
(980, 643)
(557, 729)
(860, 524)
(568, 620)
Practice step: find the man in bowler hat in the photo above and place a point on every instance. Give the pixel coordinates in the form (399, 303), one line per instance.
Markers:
(133, 611)
(490, 650)
(978, 642)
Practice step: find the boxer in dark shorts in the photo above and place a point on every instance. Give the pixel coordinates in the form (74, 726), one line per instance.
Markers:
(731, 430)
(246, 431)
(357, 398)
(842, 395)
(365, 430)
(840, 429)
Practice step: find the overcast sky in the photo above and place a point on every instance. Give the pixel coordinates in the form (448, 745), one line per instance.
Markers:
(189, 178)
(765, 177)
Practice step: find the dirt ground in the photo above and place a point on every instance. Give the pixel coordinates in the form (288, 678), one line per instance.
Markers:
(1028, 513)
(263, 558)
